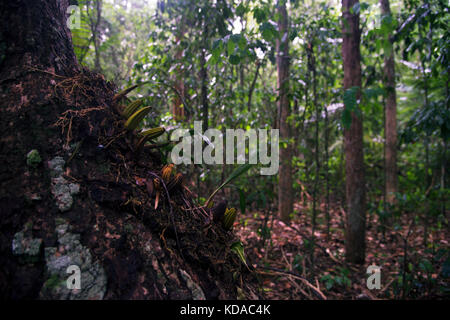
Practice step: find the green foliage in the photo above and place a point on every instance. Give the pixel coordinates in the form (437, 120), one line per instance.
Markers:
(238, 248)
(430, 119)
(341, 279)
(135, 119)
(33, 158)
(132, 107)
(236, 173)
(229, 218)
(297, 264)
(419, 278)
(149, 134)
(268, 31)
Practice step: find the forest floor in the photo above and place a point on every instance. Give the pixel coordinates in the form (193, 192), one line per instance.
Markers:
(294, 273)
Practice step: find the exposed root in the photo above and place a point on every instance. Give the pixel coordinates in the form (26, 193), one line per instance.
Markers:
(66, 118)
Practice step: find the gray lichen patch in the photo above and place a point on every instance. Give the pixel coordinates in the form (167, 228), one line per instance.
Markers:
(196, 291)
(26, 247)
(62, 190)
(56, 166)
(71, 252)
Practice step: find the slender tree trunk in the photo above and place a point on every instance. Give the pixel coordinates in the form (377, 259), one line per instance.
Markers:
(427, 161)
(326, 143)
(317, 173)
(384, 221)
(204, 79)
(390, 125)
(353, 140)
(241, 86)
(312, 69)
(327, 173)
(444, 154)
(285, 197)
(177, 108)
(252, 86)
(428, 180)
(443, 175)
(327, 176)
(95, 18)
(305, 132)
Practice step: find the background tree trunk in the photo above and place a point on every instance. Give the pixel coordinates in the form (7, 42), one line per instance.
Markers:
(353, 139)
(390, 126)
(95, 17)
(204, 80)
(177, 109)
(285, 198)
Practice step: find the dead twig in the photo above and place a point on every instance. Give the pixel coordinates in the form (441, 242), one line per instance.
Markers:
(299, 277)
(387, 285)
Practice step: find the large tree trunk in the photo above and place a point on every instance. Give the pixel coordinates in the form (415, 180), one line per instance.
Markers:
(25, 28)
(82, 196)
(285, 197)
(353, 140)
(390, 126)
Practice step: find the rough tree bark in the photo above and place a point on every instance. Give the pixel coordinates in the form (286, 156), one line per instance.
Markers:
(390, 125)
(353, 139)
(82, 196)
(285, 197)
